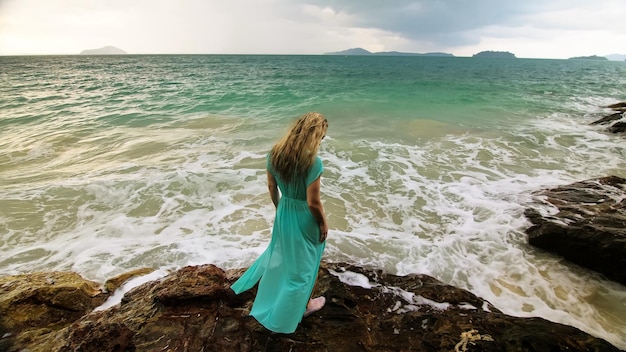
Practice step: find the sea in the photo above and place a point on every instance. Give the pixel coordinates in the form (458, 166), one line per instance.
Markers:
(113, 163)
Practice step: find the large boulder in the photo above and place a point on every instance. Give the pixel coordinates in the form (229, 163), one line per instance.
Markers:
(193, 309)
(589, 227)
(38, 304)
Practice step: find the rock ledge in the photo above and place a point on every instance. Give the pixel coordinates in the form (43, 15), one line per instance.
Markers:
(193, 309)
(589, 227)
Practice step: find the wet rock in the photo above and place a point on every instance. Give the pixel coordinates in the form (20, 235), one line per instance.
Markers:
(618, 106)
(616, 125)
(608, 119)
(589, 227)
(116, 282)
(193, 309)
(41, 303)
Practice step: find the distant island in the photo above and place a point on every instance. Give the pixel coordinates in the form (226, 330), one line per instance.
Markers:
(363, 52)
(592, 57)
(495, 54)
(616, 57)
(107, 50)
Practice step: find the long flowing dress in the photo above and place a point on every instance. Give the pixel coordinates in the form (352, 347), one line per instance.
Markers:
(287, 269)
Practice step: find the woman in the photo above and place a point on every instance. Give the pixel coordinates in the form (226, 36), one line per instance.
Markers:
(287, 270)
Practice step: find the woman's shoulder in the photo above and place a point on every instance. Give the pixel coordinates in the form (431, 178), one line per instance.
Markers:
(318, 165)
(317, 162)
(315, 171)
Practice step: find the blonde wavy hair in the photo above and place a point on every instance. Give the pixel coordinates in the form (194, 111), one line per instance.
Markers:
(294, 154)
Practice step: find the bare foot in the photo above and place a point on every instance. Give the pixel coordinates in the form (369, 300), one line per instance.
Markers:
(314, 305)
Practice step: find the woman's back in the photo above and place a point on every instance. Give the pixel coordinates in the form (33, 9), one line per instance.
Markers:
(297, 187)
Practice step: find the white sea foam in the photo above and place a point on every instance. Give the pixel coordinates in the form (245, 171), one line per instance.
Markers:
(411, 300)
(353, 279)
(117, 296)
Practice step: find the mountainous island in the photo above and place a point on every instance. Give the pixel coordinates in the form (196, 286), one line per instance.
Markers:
(616, 57)
(363, 52)
(495, 54)
(107, 50)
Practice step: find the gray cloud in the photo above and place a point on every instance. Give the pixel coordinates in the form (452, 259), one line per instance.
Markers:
(530, 28)
(448, 22)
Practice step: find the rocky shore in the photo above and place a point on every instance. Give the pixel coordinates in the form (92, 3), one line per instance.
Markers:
(193, 309)
(588, 223)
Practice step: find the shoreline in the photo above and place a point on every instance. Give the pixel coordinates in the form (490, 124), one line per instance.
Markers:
(194, 307)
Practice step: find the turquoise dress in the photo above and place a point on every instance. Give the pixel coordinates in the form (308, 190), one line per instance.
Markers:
(287, 270)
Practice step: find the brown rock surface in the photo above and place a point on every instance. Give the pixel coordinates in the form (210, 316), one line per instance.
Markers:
(193, 309)
(589, 228)
(116, 282)
(37, 304)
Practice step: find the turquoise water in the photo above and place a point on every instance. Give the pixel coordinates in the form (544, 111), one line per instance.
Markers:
(114, 163)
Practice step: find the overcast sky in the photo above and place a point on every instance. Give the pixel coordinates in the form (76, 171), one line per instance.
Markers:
(527, 28)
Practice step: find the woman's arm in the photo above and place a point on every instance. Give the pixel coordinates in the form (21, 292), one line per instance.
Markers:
(273, 188)
(316, 207)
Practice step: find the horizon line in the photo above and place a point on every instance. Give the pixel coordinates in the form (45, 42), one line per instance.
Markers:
(388, 53)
